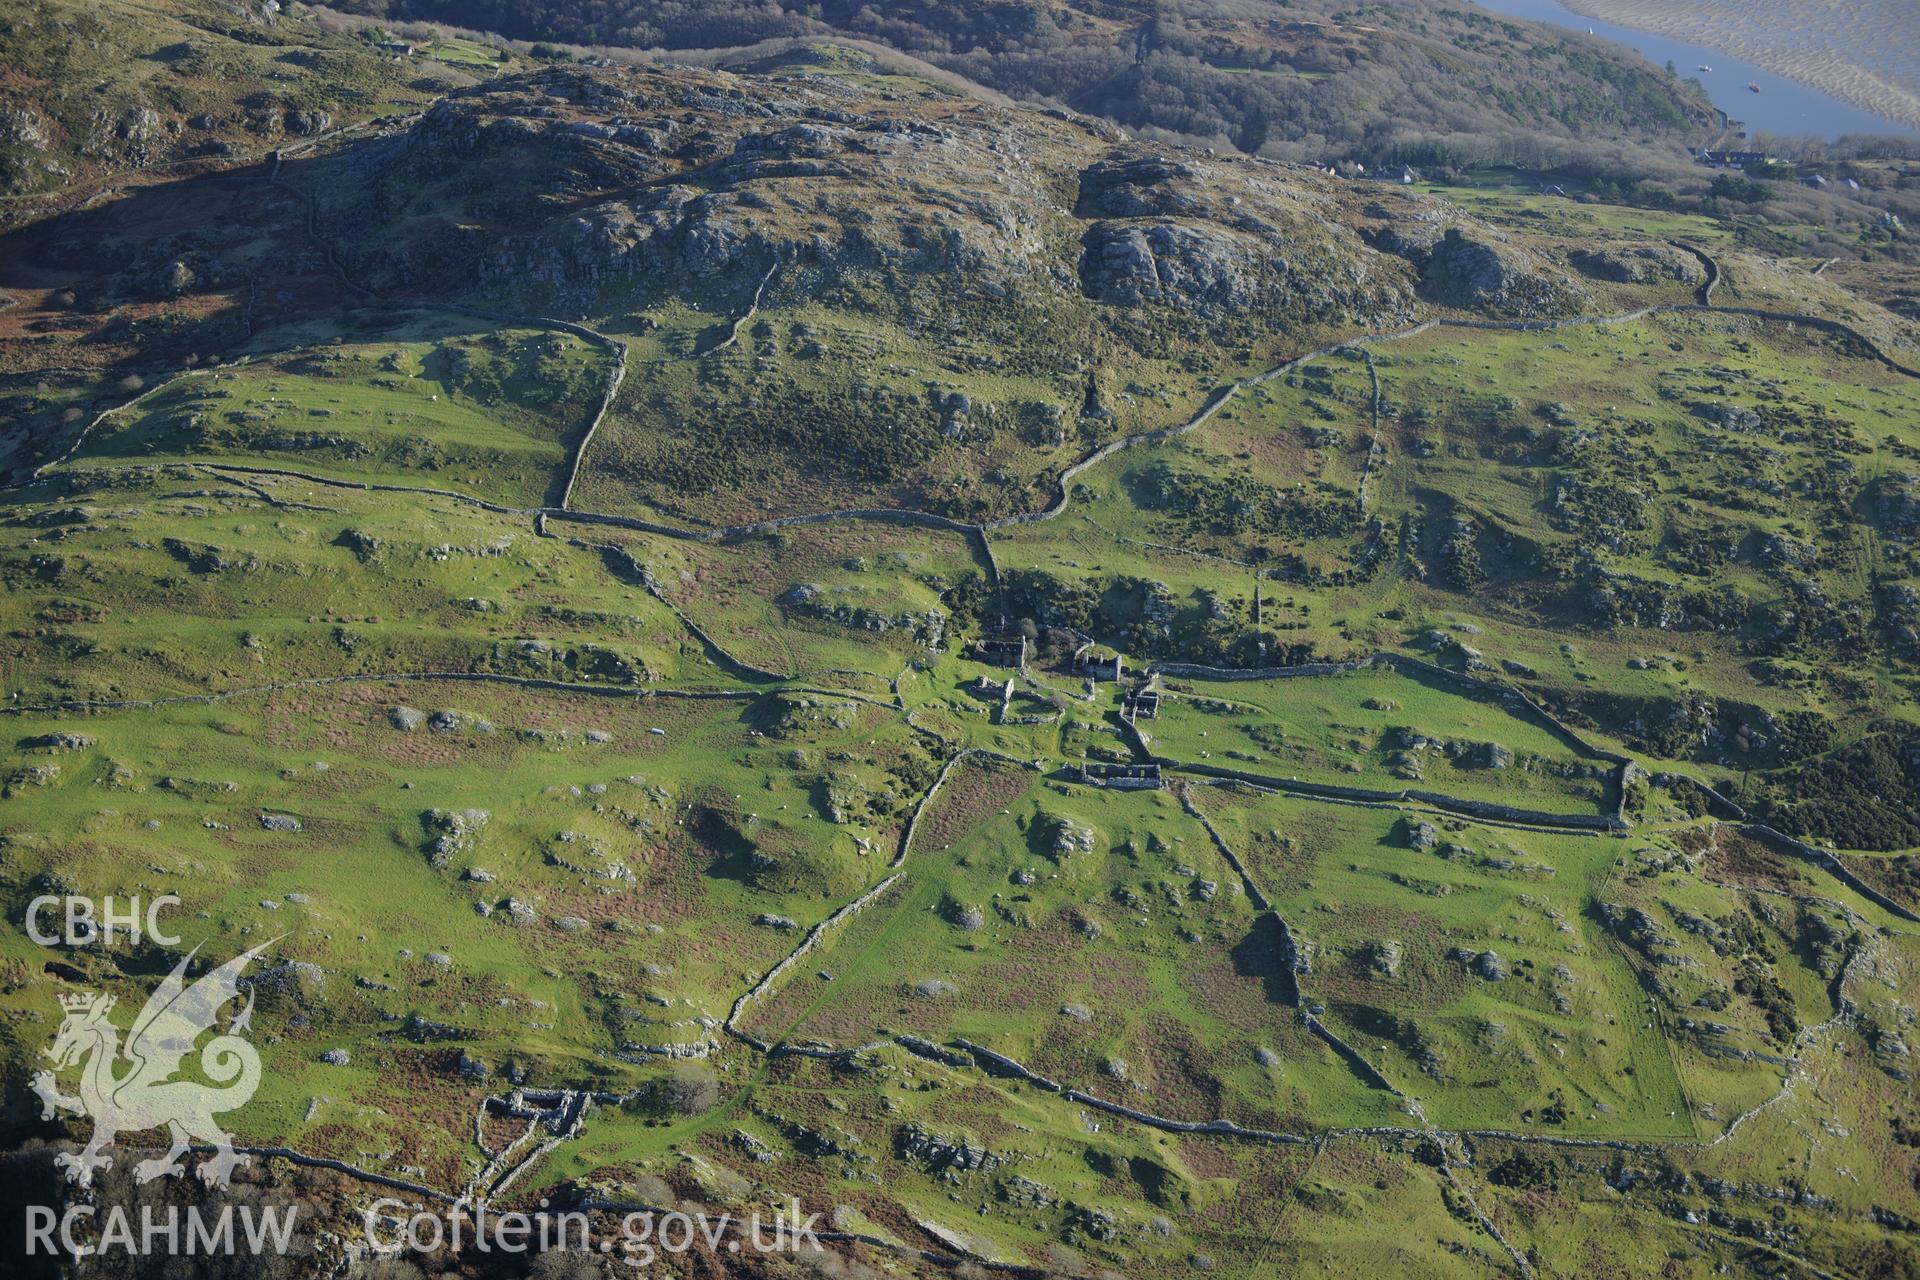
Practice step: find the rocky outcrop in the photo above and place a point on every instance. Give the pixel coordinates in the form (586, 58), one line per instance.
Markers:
(1648, 265)
(942, 1155)
(1132, 263)
(567, 181)
(1463, 271)
(1218, 239)
(1142, 187)
(452, 833)
(306, 123)
(667, 229)
(1473, 269)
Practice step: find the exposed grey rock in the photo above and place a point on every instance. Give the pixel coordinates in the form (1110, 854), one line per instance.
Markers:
(452, 833)
(759, 1151)
(1024, 1193)
(1642, 265)
(702, 184)
(802, 593)
(59, 741)
(940, 1154)
(1096, 1223)
(1462, 270)
(307, 123)
(1206, 266)
(20, 127)
(1384, 957)
(1403, 738)
(299, 978)
(1070, 838)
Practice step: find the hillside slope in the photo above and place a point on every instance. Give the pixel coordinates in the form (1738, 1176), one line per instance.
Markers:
(965, 277)
(614, 574)
(111, 85)
(1306, 80)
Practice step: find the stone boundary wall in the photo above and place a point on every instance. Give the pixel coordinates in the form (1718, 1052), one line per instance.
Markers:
(383, 677)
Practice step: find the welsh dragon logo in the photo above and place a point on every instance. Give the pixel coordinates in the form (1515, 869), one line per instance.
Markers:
(146, 1096)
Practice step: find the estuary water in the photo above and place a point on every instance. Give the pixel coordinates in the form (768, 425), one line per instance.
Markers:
(1782, 106)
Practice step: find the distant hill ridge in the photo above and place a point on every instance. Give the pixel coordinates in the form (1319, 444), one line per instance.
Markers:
(1306, 80)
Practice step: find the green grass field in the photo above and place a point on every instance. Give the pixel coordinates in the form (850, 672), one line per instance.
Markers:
(493, 413)
(1380, 730)
(731, 826)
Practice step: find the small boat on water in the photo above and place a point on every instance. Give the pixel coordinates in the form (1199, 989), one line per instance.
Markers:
(1705, 67)
(1753, 86)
